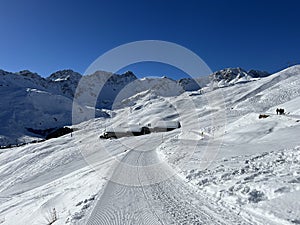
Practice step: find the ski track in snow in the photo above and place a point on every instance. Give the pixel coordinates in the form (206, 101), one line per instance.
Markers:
(170, 201)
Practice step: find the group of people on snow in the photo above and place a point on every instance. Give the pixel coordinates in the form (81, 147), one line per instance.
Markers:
(279, 111)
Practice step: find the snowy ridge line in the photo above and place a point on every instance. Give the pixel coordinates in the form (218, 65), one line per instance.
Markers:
(43, 103)
(274, 79)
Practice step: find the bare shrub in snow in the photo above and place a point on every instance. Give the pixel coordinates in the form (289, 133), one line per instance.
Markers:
(51, 216)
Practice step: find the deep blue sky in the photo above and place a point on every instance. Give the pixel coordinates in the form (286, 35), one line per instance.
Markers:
(46, 36)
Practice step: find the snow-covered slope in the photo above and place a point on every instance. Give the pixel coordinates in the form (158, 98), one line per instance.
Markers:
(253, 177)
(29, 101)
(35, 103)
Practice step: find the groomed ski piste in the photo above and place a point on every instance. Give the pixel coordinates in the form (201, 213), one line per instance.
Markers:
(223, 166)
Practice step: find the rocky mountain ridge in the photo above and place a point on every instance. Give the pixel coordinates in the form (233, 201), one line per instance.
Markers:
(31, 102)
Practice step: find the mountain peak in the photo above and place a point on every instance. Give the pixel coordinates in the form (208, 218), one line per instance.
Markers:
(62, 75)
(27, 73)
(3, 72)
(128, 73)
(230, 74)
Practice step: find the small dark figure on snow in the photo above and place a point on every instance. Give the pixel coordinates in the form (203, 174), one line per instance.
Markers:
(280, 111)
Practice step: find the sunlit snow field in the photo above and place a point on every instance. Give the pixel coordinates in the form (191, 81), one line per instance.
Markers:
(223, 151)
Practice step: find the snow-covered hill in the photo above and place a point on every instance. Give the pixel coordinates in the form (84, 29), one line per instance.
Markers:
(232, 166)
(30, 102)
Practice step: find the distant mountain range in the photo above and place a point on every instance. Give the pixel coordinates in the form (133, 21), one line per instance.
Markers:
(30, 102)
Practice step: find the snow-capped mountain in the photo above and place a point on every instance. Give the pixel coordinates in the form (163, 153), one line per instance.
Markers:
(231, 76)
(31, 102)
(64, 81)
